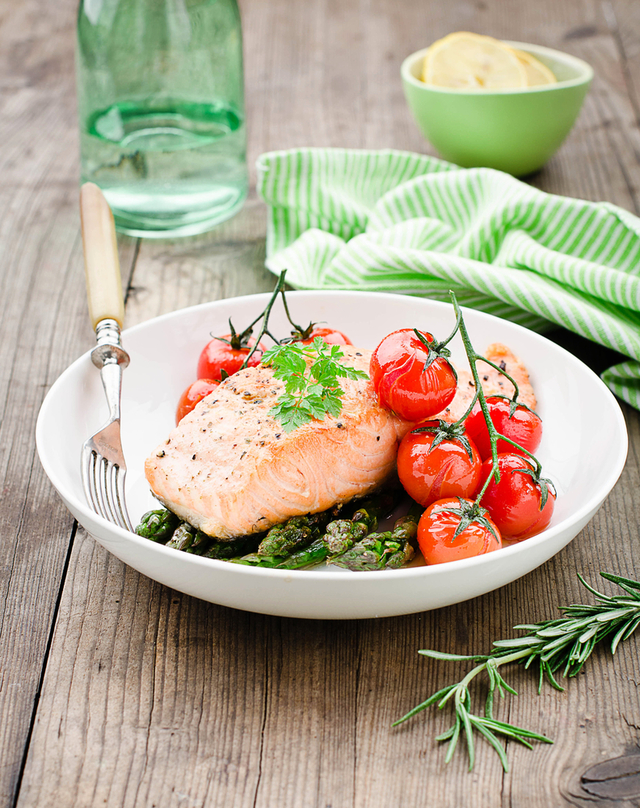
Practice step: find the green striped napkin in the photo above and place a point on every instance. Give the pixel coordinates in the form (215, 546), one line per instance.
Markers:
(401, 222)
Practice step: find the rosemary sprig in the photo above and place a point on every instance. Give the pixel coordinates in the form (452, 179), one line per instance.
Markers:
(563, 644)
(311, 375)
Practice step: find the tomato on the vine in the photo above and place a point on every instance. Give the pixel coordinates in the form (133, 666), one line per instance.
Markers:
(523, 426)
(521, 503)
(409, 378)
(227, 354)
(330, 335)
(435, 461)
(194, 393)
(438, 524)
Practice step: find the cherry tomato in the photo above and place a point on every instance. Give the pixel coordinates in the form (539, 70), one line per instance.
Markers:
(524, 427)
(437, 527)
(219, 355)
(515, 503)
(330, 335)
(194, 393)
(402, 382)
(428, 472)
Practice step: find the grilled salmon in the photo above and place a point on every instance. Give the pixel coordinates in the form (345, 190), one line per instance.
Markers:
(230, 469)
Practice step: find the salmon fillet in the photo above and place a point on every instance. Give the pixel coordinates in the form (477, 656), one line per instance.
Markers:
(230, 469)
(493, 383)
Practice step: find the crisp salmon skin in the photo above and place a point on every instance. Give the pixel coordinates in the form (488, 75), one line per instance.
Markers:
(230, 469)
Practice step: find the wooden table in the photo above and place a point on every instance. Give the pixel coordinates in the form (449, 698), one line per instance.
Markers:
(117, 691)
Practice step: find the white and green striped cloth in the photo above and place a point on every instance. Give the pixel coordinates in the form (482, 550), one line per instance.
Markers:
(401, 222)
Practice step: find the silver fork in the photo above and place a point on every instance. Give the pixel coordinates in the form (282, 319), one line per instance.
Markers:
(102, 461)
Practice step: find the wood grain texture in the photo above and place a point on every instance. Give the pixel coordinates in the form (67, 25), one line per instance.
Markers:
(151, 698)
(44, 326)
(134, 634)
(226, 262)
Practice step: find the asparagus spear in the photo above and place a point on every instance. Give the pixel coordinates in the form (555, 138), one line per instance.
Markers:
(183, 536)
(273, 549)
(343, 533)
(309, 556)
(256, 560)
(158, 525)
(282, 540)
(200, 543)
(340, 535)
(388, 550)
(301, 537)
(191, 540)
(228, 550)
(165, 527)
(299, 531)
(302, 542)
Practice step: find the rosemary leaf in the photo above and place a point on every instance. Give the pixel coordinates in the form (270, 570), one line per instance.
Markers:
(494, 742)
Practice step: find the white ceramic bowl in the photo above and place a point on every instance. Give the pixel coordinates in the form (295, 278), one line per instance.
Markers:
(584, 463)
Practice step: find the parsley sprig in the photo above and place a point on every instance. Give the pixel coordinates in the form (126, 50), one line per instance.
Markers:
(311, 375)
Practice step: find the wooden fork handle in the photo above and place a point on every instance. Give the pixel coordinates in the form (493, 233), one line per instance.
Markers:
(101, 264)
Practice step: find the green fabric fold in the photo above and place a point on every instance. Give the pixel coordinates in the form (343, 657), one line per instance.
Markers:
(408, 223)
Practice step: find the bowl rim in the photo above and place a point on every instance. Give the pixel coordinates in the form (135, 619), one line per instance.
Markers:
(585, 77)
(73, 501)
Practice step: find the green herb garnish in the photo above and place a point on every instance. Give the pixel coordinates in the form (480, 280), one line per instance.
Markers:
(561, 645)
(311, 376)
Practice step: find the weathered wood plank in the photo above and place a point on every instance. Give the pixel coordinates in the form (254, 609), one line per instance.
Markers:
(198, 668)
(43, 328)
(623, 20)
(227, 262)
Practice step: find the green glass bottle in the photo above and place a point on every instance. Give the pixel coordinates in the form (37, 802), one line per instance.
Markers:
(161, 107)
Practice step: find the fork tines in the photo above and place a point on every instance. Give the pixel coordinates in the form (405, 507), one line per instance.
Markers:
(103, 483)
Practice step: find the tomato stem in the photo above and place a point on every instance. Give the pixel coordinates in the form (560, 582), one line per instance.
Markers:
(264, 328)
(299, 333)
(473, 357)
(533, 458)
(437, 346)
(436, 350)
(463, 418)
(514, 398)
(490, 477)
(239, 341)
(494, 435)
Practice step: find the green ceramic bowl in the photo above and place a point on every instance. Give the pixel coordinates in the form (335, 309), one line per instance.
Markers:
(512, 130)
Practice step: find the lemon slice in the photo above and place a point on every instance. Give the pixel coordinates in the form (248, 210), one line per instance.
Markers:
(537, 73)
(472, 61)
